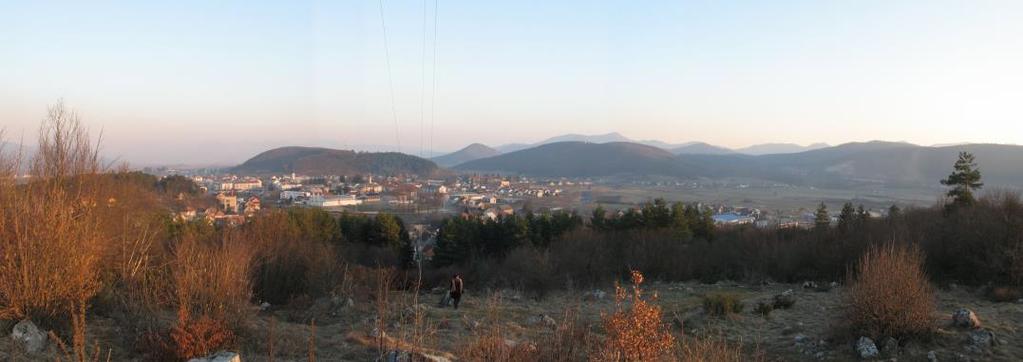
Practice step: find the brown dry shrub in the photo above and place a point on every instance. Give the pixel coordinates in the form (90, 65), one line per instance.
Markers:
(1002, 294)
(489, 342)
(50, 232)
(634, 332)
(722, 304)
(493, 346)
(571, 341)
(188, 338)
(889, 294)
(211, 277)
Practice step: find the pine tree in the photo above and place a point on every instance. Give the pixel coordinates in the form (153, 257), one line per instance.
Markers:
(894, 211)
(964, 180)
(821, 218)
(599, 219)
(847, 217)
(861, 214)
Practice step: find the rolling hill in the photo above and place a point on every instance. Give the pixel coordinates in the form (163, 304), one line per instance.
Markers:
(472, 152)
(700, 148)
(581, 159)
(887, 163)
(777, 148)
(572, 137)
(326, 161)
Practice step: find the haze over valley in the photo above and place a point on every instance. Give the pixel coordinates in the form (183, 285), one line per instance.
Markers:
(511, 181)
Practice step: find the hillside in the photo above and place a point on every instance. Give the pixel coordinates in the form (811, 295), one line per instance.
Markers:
(777, 148)
(326, 161)
(891, 163)
(472, 152)
(601, 138)
(581, 159)
(868, 162)
(572, 137)
(700, 148)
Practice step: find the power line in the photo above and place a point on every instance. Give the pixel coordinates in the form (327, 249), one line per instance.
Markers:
(390, 78)
(422, 86)
(433, 77)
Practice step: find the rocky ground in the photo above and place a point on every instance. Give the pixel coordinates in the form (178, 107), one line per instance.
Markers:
(345, 327)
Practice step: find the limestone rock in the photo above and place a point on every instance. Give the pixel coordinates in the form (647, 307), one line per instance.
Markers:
(222, 356)
(866, 348)
(29, 336)
(785, 300)
(983, 338)
(542, 320)
(965, 318)
(596, 295)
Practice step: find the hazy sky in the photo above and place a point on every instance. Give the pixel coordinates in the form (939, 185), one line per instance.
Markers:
(216, 81)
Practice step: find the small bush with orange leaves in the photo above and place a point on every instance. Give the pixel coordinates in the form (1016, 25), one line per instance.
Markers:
(189, 338)
(890, 295)
(635, 332)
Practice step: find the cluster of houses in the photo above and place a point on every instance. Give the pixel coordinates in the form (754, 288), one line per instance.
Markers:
(228, 183)
(804, 219)
(229, 210)
(239, 196)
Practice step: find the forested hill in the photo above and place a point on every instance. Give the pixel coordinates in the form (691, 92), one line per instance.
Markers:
(326, 161)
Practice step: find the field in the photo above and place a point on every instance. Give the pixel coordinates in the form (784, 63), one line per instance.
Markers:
(804, 332)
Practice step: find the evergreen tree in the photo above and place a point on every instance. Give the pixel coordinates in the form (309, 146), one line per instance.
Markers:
(656, 214)
(386, 231)
(679, 221)
(861, 215)
(964, 180)
(894, 211)
(821, 219)
(599, 219)
(847, 217)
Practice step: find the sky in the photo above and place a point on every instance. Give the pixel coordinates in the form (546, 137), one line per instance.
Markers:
(206, 82)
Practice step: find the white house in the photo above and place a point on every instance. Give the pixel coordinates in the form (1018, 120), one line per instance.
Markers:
(333, 201)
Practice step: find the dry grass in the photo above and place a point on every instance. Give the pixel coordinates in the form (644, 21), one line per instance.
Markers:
(488, 342)
(890, 295)
(211, 278)
(711, 349)
(571, 341)
(722, 304)
(1002, 294)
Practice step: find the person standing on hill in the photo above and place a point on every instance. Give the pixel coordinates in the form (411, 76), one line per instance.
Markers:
(456, 289)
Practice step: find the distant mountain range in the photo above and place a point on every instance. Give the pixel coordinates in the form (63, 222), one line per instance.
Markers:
(326, 161)
(868, 162)
(876, 162)
(776, 148)
(580, 159)
(472, 152)
(700, 148)
(676, 148)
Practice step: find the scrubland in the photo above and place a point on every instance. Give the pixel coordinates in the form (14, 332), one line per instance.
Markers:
(92, 257)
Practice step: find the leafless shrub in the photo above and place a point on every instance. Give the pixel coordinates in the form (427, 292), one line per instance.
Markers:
(889, 294)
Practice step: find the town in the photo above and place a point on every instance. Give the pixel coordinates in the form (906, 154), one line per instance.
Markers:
(423, 202)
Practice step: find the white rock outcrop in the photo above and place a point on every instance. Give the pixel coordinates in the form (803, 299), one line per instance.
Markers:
(29, 336)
